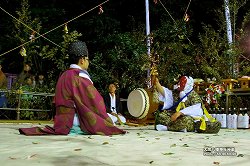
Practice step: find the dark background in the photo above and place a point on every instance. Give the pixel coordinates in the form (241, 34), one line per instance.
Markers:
(120, 16)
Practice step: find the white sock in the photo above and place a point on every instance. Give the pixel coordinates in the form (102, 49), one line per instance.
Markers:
(184, 130)
(160, 127)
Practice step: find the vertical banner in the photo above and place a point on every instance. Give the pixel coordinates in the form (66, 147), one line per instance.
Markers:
(233, 66)
(148, 37)
(228, 22)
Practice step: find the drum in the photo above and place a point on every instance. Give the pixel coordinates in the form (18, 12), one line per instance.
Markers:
(141, 105)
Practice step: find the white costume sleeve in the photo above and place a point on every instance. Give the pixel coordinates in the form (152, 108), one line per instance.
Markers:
(167, 99)
(194, 110)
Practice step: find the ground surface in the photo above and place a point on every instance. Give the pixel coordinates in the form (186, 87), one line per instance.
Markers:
(141, 146)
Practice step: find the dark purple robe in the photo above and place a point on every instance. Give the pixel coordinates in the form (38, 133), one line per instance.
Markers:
(75, 94)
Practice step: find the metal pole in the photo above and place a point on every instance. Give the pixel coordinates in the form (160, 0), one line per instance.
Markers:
(18, 105)
(148, 37)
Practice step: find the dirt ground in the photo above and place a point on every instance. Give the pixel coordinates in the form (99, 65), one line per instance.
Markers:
(141, 146)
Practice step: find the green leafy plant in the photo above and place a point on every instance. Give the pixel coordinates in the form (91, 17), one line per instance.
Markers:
(123, 62)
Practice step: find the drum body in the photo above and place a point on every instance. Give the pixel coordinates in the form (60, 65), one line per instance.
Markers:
(141, 105)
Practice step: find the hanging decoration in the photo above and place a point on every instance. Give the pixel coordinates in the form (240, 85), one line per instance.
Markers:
(65, 29)
(32, 36)
(186, 17)
(23, 51)
(155, 1)
(100, 10)
(42, 35)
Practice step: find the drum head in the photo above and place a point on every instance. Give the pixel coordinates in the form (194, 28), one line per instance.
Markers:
(138, 103)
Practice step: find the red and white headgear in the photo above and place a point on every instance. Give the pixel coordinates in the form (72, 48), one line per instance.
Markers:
(182, 83)
(185, 83)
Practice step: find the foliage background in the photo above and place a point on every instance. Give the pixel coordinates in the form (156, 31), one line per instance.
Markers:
(116, 39)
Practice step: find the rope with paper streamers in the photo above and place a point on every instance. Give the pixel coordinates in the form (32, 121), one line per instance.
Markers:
(186, 16)
(42, 35)
(155, 1)
(33, 31)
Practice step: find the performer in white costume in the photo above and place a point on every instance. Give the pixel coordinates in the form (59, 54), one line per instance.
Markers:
(185, 87)
(186, 107)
